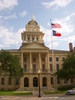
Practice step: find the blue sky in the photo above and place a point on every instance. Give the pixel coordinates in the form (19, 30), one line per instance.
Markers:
(15, 14)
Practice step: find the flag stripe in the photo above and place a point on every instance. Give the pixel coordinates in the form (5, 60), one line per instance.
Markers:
(55, 25)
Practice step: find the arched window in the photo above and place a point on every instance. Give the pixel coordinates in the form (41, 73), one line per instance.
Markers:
(2, 81)
(26, 82)
(44, 81)
(35, 82)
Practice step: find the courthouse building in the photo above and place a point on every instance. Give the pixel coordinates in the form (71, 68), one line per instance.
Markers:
(36, 57)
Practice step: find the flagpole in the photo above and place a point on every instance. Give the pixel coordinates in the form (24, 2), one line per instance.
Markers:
(52, 49)
(52, 45)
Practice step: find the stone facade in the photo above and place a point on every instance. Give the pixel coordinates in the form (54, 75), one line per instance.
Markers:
(36, 56)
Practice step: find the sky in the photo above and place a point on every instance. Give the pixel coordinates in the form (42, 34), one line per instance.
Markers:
(15, 14)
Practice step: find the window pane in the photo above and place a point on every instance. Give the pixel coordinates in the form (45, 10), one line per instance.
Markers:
(50, 58)
(57, 59)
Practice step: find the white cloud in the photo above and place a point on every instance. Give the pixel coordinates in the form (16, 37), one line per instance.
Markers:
(57, 3)
(8, 4)
(9, 39)
(13, 16)
(23, 14)
(67, 32)
(67, 24)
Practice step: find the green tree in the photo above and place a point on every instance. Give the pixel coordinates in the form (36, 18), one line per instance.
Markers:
(68, 69)
(10, 64)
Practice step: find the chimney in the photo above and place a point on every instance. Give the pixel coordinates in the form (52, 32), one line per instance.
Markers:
(70, 47)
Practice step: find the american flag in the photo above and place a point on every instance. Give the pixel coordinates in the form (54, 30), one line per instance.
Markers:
(56, 25)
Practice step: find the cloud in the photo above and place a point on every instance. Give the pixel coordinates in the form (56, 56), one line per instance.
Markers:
(23, 14)
(56, 3)
(7, 4)
(13, 16)
(67, 31)
(9, 39)
(67, 24)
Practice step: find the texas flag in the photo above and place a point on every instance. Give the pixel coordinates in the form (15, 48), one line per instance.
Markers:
(56, 33)
(55, 25)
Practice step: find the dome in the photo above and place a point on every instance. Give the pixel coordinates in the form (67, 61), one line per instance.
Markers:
(32, 22)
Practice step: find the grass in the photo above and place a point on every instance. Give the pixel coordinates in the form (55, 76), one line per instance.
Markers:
(14, 93)
(57, 92)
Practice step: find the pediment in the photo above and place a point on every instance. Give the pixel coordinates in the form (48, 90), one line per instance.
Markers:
(34, 46)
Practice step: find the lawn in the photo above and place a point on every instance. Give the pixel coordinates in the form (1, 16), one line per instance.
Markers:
(57, 92)
(15, 93)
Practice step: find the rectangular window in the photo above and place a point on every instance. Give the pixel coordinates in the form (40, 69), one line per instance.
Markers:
(65, 81)
(63, 58)
(43, 59)
(51, 80)
(58, 81)
(34, 59)
(25, 67)
(57, 67)
(2, 81)
(50, 58)
(57, 59)
(9, 81)
(71, 80)
(51, 67)
(25, 59)
(17, 81)
(34, 67)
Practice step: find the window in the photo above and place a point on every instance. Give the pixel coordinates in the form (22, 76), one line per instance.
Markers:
(25, 59)
(44, 81)
(9, 81)
(43, 67)
(34, 67)
(26, 82)
(71, 80)
(28, 38)
(37, 39)
(34, 59)
(63, 58)
(35, 82)
(50, 58)
(57, 59)
(51, 80)
(25, 67)
(43, 59)
(32, 39)
(51, 67)
(17, 81)
(58, 81)
(57, 67)
(65, 81)
(2, 81)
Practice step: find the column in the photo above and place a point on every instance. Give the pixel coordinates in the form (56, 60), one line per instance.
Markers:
(22, 79)
(22, 59)
(48, 67)
(40, 62)
(30, 62)
(46, 62)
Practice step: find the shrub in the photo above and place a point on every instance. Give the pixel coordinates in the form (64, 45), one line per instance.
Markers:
(65, 87)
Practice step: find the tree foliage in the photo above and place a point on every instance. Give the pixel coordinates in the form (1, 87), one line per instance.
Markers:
(68, 69)
(10, 64)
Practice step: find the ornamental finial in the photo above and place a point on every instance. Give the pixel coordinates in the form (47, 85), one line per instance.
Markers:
(32, 17)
